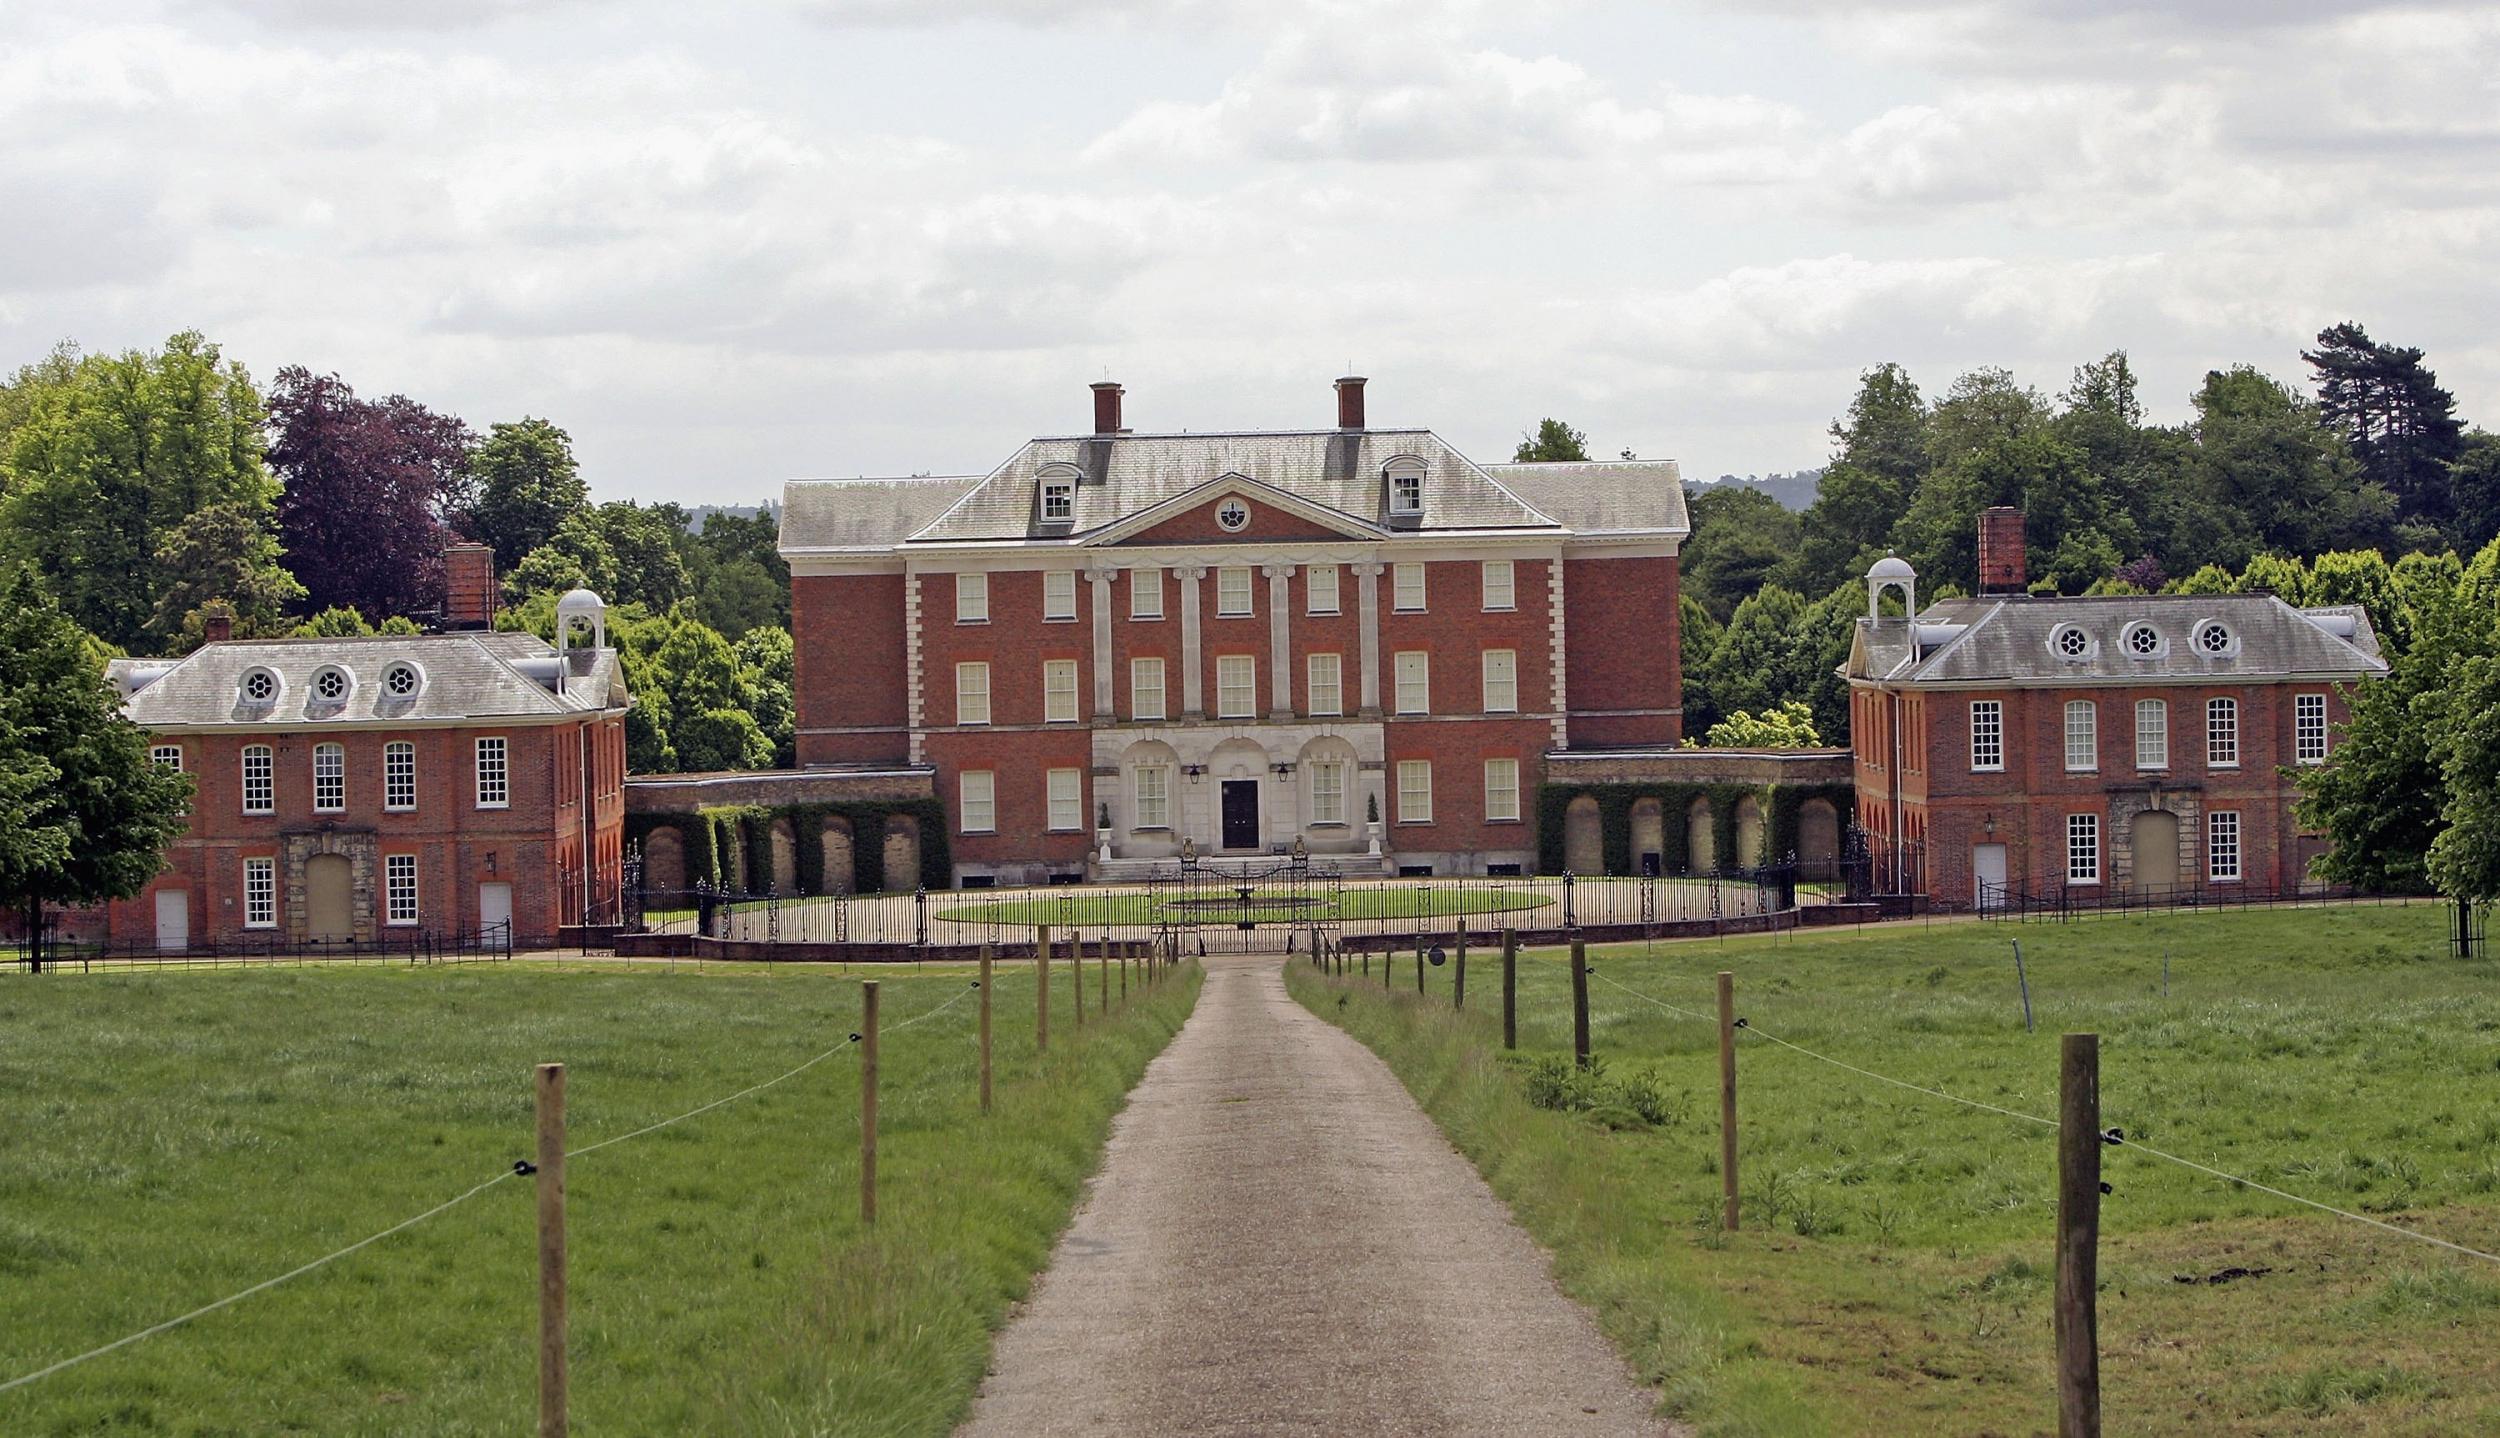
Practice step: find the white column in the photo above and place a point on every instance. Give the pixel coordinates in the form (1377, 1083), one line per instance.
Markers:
(1193, 699)
(1367, 591)
(1104, 688)
(1279, 641)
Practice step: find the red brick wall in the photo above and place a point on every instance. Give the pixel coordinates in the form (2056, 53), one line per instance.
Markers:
(1457, 752)
(1014, 642)
(1340, 634)
(1021, 763)
(851, 666)
(1220, 635)
(1621, 629)
(1144, 639)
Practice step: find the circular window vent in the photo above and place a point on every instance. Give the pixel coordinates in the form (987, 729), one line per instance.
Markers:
(259, 686)
(401, 681)
(2071, 643)
(1233, 516)
(2215, 640)
(331, 685)
(2143, 641)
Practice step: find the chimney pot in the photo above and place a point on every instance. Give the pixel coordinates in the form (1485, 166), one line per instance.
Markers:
(1350, 402)
(469, 587)
(216, 621)
(2001, 564)
(1107, 407)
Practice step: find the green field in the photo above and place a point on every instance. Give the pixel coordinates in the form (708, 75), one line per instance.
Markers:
(1895, 1268)
(1354, 903)
(175, 1138)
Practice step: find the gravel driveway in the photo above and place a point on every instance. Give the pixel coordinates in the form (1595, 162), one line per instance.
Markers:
(1280, 1242)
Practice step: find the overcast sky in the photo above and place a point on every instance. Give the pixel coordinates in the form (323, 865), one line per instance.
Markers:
(727, 245)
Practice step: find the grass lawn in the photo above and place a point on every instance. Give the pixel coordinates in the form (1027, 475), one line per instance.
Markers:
(1895, 1270)
(1355, 903)
(177, 1137)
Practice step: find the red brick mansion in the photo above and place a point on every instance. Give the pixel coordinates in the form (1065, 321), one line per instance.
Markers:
(1115, 646)
(2010, 746)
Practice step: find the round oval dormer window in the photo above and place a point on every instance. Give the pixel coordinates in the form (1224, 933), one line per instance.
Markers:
(2142, 641)
(2214, 639)
(259, 686)
(401, 681)
(331, 684)
(1232, 516)
(2070, 642)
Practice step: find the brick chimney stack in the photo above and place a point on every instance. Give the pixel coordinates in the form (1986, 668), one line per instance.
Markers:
(1107, 408)
(468, 587)
(1350, 402)
(2001, 568)
(216, 621)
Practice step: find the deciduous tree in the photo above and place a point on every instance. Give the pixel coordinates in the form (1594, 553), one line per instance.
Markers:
(1551, 440)
(527, 485)
(368, 487)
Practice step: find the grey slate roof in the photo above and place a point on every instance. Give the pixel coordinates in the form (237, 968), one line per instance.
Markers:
(1123, 475)
(467, 676)
(2007, 638)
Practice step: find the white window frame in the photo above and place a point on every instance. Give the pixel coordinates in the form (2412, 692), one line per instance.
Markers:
(1059, 595)
(2222, 733)
(2309, 732)
(976, 801)
(1319, 588)
(399, 890)
(972, 597)
(260, 779)
(1501, 681)
(1407, 582)
(399, 777)
(1058, 691)
(329, 760)
(1236, 686)
(1323, 685)
(1328, 791)
(1414, 791)
(1413, 669)
(1987, 736)
(972, 692)
(1058, 499)
(1151, 798)
(1233, 592)
(1501, 791)
(167, 756)
(1501, 585)
(2083, 848)
(1145, 593)
(2083, 736)
(494, 772)
(260, 893)
(1406, 491)
(2223, 849)
(1065, 791)
(2152, 740)
(1145, 677)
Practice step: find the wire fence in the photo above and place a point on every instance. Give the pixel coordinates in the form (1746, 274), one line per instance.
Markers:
(489, 943)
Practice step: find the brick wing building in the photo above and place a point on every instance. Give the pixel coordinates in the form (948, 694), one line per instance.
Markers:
(1115, 645)
(2137, 745)
(359, 791)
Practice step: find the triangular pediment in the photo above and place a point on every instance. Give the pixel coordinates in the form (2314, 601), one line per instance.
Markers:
(1206, 513)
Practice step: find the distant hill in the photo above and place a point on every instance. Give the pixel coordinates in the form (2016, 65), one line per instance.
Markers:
(1793, 491)
(696, 516)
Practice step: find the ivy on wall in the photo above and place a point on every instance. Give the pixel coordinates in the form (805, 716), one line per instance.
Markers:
(730, 846)
(1780, 805)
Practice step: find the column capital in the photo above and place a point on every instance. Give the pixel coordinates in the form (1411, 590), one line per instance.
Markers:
(1368, 568)
(1192, 572)
(1279, 570)
(1101, 573)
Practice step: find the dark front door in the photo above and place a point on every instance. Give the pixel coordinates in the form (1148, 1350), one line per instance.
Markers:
(1241, 813)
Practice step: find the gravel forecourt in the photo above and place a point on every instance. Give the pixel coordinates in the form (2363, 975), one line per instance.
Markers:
(1280, 1242)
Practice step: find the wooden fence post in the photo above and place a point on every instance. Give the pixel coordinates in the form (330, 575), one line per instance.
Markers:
(1580, 1002)
(1102, 956)
(1076, 979)
(985, 1028)
(553, 1373)
(2078, 1237)
(868, 1101)
(1458, 980)
(1123, 971)
(1510, 988)
(1420, 942)
(1727, 1098)
(1041, 989)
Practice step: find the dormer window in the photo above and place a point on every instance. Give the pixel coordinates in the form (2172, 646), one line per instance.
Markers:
(2071, 643)
(1058, 499)
(331, 684)
(2142, 641)
(260, 687)
(1405, 476)
(2214, 640)
(401, 680)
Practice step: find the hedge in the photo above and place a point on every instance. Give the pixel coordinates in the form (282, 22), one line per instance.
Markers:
(1780, 803)
(727, 847)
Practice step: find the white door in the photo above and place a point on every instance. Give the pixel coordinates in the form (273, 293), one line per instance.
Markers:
(1987, 866)
(494, 907)
(173, 920)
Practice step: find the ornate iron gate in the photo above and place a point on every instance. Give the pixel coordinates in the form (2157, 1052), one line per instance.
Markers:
(1199, 909)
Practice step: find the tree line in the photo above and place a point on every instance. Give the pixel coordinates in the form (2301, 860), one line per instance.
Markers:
(137, 488)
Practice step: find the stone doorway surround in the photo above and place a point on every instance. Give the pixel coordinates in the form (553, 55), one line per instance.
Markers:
(362, 850)
(2185, 801)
